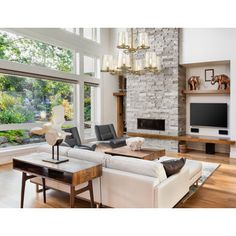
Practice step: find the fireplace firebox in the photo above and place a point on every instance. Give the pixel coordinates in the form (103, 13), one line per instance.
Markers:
(151, 124)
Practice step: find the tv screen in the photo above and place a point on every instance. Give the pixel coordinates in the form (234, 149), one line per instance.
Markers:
(208, 114)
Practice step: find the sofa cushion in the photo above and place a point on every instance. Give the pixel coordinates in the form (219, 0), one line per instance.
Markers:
(86, 155)
(137, 166)
(47, 148)
(173, 166)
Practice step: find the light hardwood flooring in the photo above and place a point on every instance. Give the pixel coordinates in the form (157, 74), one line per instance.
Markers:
(219, 191)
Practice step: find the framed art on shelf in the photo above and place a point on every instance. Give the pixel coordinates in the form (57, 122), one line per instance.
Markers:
(209, 74)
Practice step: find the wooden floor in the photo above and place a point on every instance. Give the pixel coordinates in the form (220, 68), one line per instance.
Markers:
(219, 191)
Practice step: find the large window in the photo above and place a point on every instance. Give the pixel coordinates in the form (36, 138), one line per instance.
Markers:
(90, 110)
(27, 51)
(28, 93)
(26, 100)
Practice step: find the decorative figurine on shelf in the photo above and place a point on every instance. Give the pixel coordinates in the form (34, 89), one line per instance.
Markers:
(53, 133)
(135, 144)
(221, 80)
(194, 82)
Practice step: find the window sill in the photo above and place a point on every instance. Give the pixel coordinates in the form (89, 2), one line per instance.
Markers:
(8, 153)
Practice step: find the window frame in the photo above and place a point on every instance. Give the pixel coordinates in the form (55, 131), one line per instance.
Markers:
(79, 79)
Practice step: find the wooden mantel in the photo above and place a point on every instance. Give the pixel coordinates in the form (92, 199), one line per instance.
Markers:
(119, 94)
(187, 138)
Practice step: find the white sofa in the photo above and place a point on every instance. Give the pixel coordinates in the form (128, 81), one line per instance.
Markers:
(129, 182)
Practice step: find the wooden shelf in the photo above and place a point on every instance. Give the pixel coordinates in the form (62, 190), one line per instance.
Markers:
(187, 138)
(119, 94)
(227, 92)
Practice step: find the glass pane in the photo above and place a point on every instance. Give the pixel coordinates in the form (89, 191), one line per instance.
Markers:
(90, 110)
(29, 100)
(88, 33)
(27, 51)
(71, 30)
(19, 137)
(77, 65)
(89, 66)
(77, 31)
(98, 35)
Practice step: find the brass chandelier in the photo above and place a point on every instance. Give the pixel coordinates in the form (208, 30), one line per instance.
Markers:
(127, 61)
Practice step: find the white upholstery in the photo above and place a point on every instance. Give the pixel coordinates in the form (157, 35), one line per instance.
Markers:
(129, 182)
(47, 148)
(169, 192)
(137, 166)
(127, 190)
(97, 157)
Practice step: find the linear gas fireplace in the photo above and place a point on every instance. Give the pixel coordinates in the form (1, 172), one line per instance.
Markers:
(151, 124)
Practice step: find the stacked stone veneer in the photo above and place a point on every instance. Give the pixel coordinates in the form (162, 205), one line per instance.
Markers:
(159, 96)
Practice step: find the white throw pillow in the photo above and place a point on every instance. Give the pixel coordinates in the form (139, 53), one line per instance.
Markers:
(137, 166)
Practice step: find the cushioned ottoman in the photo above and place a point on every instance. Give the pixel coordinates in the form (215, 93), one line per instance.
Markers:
(195, 168)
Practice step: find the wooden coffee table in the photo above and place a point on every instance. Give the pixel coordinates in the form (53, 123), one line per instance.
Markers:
(145, 153)
(72, 173)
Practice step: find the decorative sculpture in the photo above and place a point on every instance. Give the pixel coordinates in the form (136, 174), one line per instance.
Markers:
(53, 133)
(194, 82)
(135, 143)
(221, 80)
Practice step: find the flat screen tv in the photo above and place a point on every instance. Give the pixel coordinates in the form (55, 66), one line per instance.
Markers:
(209, 114)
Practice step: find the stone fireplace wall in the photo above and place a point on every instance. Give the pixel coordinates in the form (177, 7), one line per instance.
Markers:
(159, 96)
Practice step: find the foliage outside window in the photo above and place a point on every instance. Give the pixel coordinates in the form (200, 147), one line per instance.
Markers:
(90, 107)
(18, 137)
(29, 100)
(23, 50)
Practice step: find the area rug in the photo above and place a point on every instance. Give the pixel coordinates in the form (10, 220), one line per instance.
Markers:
(208, 169)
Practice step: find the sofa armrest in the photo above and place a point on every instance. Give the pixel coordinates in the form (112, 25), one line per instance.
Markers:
(169, 192)
(122, 189)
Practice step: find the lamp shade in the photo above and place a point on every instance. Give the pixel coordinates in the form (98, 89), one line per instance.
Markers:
(143, 41)
(107, 63)
(150, 60)
(138, 66)
(123, 41)
(123, 61)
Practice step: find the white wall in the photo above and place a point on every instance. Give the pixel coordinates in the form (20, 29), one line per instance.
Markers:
(207, 45)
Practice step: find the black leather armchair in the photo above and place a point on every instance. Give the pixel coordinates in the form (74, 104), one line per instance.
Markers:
(74, 140)
(106, 134)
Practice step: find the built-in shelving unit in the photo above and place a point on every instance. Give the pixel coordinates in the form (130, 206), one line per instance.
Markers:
(227, 92)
